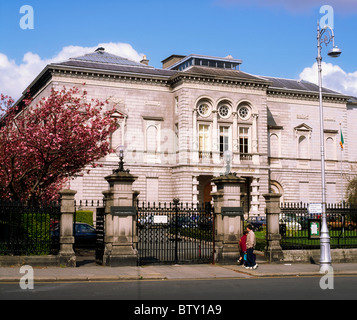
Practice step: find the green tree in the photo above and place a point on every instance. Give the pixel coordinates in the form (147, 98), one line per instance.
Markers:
(352, 192)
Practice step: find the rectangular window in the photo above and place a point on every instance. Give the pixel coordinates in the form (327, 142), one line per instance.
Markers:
(204, 141)
(243, 140)
(223, 140)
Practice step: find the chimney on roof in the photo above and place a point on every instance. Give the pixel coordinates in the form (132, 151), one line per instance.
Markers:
(100, 50)
(145, 61)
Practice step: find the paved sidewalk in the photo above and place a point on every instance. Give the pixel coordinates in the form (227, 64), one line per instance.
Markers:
(99, 273)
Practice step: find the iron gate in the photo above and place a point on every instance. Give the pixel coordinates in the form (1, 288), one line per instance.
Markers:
(100, 225)
(175, 233)
(89, 232)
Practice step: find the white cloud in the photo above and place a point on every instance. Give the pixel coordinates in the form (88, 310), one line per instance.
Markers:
(15, 78)
(334, 78)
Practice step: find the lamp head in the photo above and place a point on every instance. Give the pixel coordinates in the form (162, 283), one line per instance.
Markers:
(335, 52)
(120, 151)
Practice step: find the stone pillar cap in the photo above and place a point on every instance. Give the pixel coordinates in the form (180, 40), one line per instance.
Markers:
(121, 177)
(229, 178)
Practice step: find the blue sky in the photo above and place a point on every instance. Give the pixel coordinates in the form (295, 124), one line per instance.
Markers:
(272, 37)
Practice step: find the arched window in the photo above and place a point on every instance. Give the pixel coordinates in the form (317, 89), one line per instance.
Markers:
(303, 136)
(274, 146)
(330, 149)
(151, 139)
(303, 147)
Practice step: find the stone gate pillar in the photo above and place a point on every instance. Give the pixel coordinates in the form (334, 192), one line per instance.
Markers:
(67, 255)
(229, 217)
(120, 222)
(273, 252)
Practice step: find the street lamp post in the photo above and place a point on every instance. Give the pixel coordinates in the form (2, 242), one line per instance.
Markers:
(324, 35)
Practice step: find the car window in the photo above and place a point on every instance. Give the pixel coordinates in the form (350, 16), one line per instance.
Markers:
(84, 228)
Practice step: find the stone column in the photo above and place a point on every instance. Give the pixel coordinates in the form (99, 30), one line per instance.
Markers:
(215, 137)
(195, 191)
(235, 135)
(120, 222)
(274, 252)
(67, 255)
(255, 156)
(229, 218)
(254, 209)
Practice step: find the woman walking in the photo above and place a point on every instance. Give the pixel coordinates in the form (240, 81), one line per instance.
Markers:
(251, 242)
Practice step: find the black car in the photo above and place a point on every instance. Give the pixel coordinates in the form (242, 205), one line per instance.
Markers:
(85, 235)
(257, 222)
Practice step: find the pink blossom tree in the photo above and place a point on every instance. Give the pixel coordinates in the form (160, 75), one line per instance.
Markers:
(43, 145)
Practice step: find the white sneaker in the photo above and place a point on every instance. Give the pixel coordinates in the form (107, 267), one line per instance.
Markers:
(256, 266)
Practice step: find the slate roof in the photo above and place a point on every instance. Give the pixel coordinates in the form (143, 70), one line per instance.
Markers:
(223, 73)
(299, 85)
(117, 68)
(101, 60)
(100, 56)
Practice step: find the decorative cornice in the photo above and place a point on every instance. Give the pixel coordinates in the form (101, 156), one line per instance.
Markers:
(306, 95)
(177, 79)
(180, 78)
(109, 75)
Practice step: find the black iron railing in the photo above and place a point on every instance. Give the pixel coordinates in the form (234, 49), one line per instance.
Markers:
(29, 229)
(295, 226)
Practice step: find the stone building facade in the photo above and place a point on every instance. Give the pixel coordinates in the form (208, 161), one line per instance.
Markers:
(179, 126)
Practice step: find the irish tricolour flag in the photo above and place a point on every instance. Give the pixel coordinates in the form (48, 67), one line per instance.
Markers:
(342, 142)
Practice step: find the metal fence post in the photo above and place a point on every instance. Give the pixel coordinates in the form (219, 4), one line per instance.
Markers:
(176, 203)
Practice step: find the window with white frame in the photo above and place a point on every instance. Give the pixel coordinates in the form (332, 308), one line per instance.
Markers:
(224, 111)
(244, 144)
(204, 134)
(224, 139)
(244, 112)
(204, 110)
